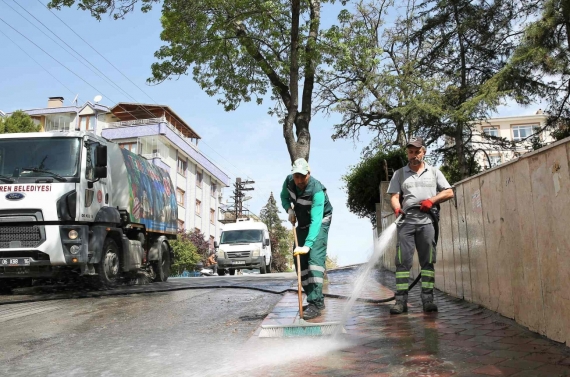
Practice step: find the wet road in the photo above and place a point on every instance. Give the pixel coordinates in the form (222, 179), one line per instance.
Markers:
(182, 332)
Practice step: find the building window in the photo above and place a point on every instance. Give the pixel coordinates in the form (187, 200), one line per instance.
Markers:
(129, 146)
(521, 132)
(180, 197)
(180, 225)
(182, 165)
(59, 122)
(87, 123)
(213, 189)
(199, 178)
(198, 207)
(491, 131)
(211, 242)
(212, 216)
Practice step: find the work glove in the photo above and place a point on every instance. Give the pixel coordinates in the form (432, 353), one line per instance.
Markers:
(292, 217)
(426, 205)
(300, 250)
(398, 212)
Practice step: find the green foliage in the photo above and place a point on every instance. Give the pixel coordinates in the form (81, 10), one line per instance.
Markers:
(17, 122)
(562, 132)
(198, 239)
(452, 172)
(117, 9)
(362, 182)
(538, 68)
(185, 253)
(238, 50)
(278, 234)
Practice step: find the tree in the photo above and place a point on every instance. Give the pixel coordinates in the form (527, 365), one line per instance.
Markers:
(539, 68)
(185, 253)
(17, 122)
(374, 77)
(198, 239)
(363, 181)
(278, 234)
(239, 49)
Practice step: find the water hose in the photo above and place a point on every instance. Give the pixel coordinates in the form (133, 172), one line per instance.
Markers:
(213, 286)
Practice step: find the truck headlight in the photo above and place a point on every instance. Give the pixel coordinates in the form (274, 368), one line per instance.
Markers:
(255, 252)
(73, 234)
(74, 249)
(221, 254)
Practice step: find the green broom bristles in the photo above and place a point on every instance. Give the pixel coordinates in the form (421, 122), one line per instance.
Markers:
(302, 329)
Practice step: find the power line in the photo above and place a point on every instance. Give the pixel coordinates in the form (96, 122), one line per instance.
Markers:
(94, 49)
(96, 71)
(44, 68)
(60, 63)
(104, 76)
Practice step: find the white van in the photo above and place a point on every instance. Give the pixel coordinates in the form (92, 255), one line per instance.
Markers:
(244, 244)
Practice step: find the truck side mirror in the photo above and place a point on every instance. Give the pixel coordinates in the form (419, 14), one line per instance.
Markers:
(216, 245)
(101, 157)
(266, 243)
(100, 172)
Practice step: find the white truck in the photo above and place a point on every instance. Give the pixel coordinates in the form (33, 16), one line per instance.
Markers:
(244, 244)
(75, 204)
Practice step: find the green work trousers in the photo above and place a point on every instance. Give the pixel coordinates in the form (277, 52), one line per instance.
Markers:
(313, 265)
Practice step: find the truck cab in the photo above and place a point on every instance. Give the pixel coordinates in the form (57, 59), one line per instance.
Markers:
(244, 244)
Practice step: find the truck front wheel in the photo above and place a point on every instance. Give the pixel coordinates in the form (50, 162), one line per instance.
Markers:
(109, 269)
(161, 267)
(262, 267)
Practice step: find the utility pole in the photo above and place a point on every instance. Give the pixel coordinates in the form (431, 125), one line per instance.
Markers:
(240, 187)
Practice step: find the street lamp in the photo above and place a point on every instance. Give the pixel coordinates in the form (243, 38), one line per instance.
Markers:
(473, 159)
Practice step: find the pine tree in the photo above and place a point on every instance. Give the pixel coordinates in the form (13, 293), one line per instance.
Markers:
(279, 235)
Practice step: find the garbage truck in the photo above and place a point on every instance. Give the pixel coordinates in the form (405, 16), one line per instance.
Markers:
(73, 204)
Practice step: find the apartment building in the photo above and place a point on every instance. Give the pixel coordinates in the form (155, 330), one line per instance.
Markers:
(159, 134)
(513, 128)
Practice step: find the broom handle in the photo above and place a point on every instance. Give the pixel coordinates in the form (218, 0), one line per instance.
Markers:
(298, 275)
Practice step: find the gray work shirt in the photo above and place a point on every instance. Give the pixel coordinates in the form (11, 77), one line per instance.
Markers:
(417, 187)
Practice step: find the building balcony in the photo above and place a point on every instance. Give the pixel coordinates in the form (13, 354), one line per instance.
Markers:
(145, 128)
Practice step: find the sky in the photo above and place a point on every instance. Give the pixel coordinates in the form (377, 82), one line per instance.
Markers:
(246, 143)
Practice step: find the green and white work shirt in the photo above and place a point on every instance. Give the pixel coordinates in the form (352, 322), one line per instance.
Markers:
(416, 188)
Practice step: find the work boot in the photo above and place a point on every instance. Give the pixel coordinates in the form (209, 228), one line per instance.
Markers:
(428, 304)
(321, 306)
(312, 312)
(401, 306)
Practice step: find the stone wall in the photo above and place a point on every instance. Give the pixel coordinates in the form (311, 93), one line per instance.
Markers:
(505, 241)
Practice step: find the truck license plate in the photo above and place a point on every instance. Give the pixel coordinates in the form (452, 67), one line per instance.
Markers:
(238, 262)
(14, 262)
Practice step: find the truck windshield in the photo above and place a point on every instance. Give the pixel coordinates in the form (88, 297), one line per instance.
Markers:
(39, 157)
(242, 236)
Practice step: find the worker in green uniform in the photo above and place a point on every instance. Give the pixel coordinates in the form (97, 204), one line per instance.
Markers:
(305, 199)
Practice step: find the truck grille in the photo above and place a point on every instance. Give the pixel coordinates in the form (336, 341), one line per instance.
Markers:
(238, 254)
(27, 236)
(24, 234)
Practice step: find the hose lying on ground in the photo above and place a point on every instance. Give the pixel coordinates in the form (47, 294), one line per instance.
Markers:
(265, 290)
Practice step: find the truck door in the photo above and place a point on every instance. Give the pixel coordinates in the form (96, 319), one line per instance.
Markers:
(93, 191)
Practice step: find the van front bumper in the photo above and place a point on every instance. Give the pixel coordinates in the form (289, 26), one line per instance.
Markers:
(249, 262)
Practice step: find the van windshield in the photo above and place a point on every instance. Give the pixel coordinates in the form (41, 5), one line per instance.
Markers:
(242, 236)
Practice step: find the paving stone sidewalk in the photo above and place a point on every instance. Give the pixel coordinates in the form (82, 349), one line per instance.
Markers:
(462, 339)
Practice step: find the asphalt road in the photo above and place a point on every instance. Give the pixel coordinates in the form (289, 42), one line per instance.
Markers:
(193, 332)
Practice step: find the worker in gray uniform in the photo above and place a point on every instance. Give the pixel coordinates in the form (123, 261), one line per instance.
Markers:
(421, 186)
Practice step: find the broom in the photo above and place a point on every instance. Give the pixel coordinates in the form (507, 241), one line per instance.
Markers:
(301, 327)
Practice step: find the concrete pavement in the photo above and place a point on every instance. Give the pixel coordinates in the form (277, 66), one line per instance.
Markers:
(462, 339)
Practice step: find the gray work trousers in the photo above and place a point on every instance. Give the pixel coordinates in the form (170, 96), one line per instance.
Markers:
(410, 238)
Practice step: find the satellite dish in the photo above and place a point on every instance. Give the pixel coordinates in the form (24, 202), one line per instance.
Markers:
(246, 198)
(97, 98)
